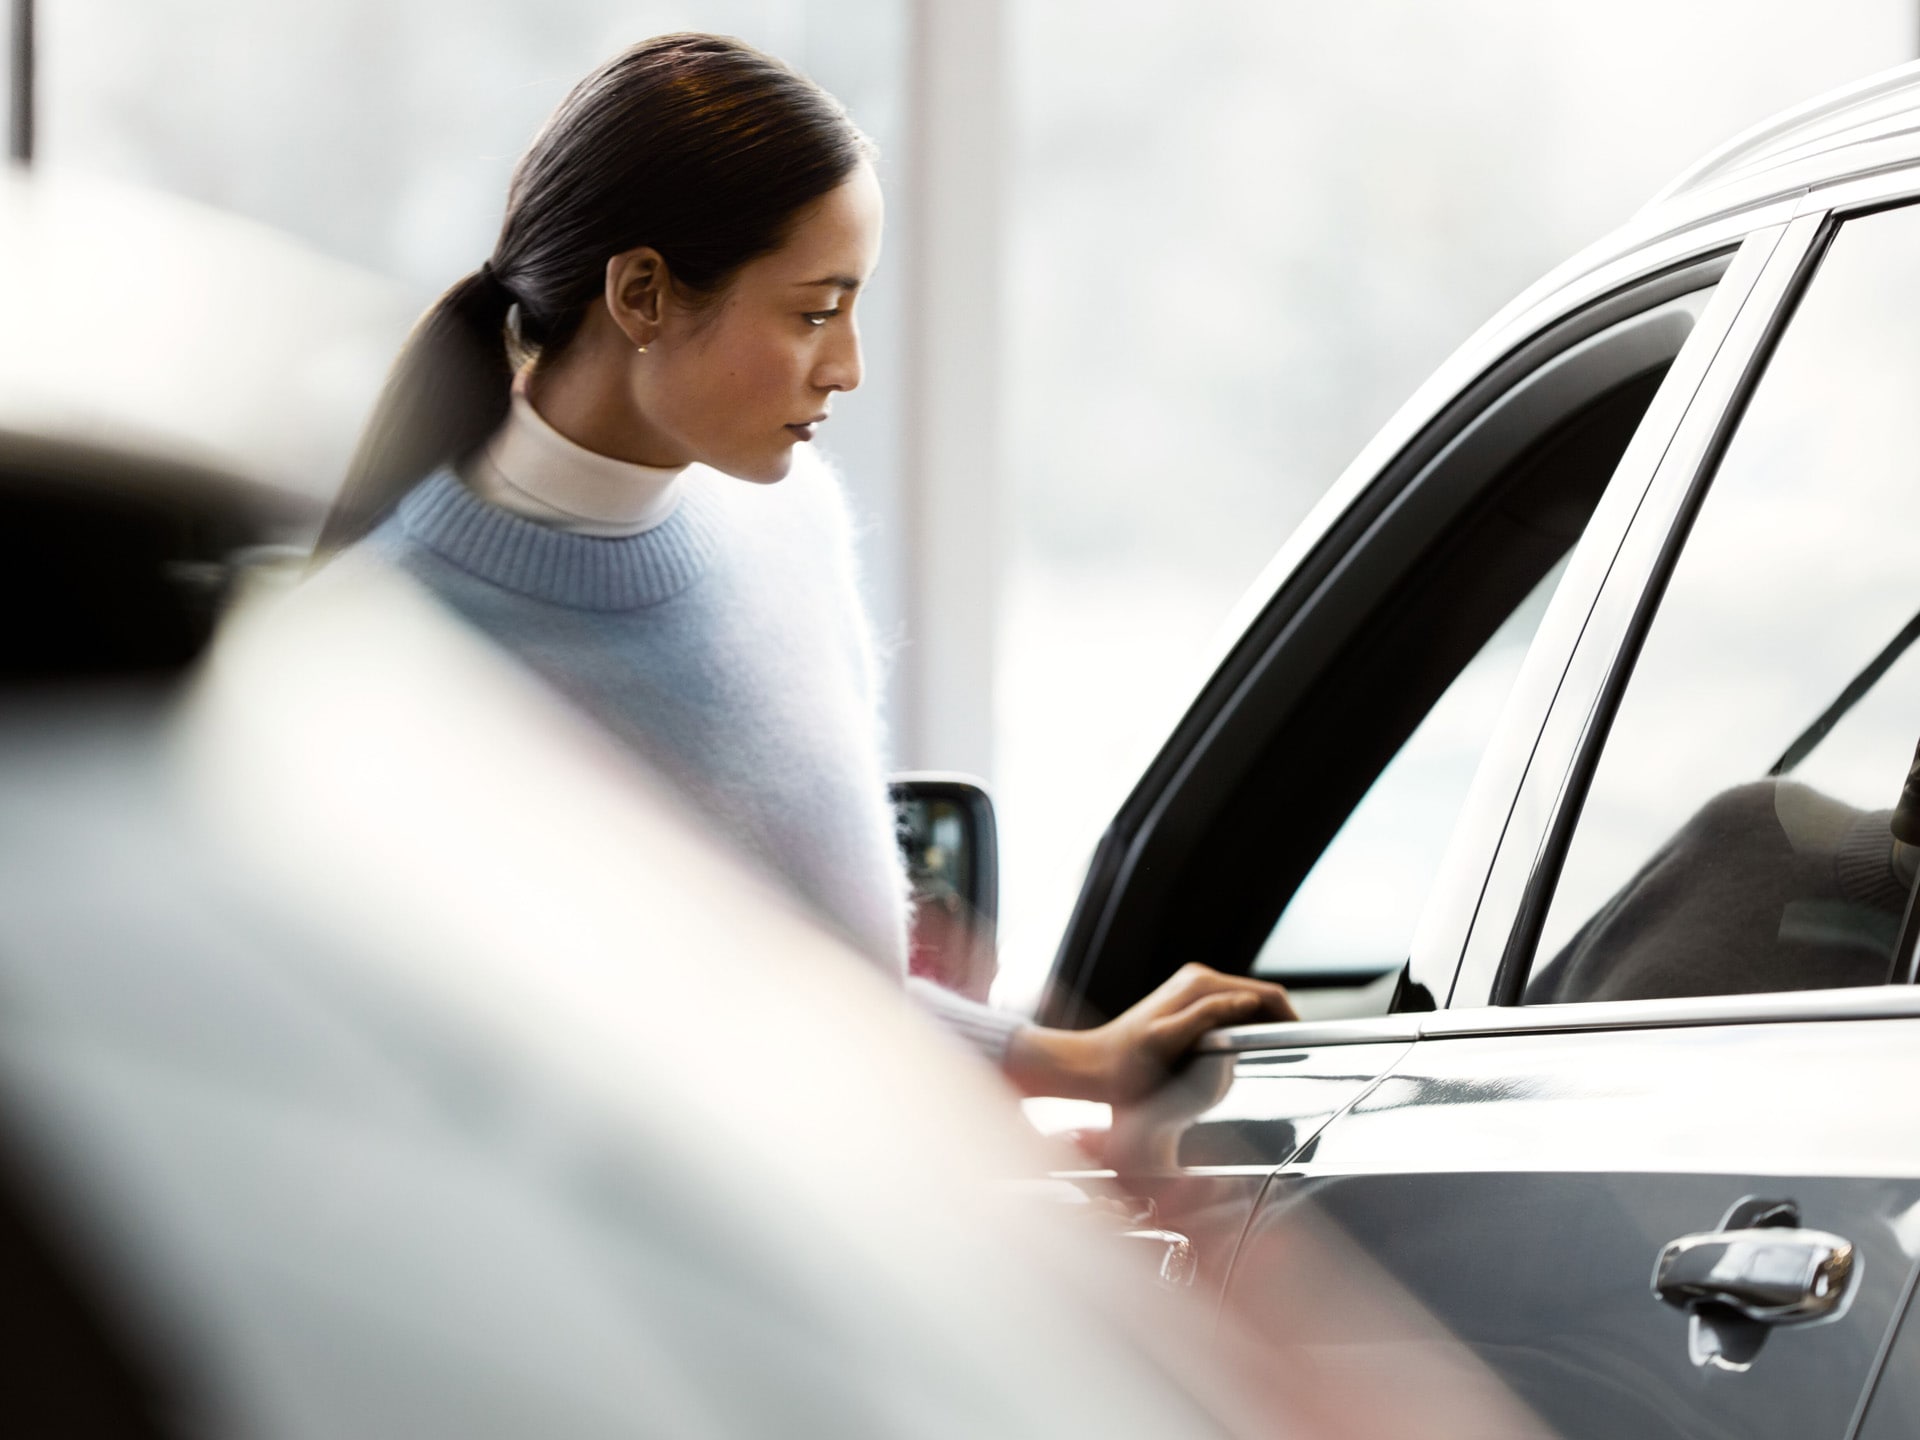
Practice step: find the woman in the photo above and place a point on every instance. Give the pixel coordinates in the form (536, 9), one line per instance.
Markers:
(578, 450)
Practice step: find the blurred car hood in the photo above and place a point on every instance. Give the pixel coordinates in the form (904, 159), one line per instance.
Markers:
(147, 324)
(405, 1061)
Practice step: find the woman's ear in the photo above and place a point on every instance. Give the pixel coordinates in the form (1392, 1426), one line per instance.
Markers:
(637, 286)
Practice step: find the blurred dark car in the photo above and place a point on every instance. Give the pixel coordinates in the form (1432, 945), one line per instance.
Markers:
(1554, 766)
(356, 1083)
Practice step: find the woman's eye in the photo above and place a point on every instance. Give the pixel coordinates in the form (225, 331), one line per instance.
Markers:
(820, 317)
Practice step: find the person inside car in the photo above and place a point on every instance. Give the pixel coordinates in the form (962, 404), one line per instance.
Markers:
(587, 448)
(1771, 885)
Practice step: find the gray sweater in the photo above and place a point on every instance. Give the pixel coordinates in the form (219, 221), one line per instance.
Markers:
(728, 646)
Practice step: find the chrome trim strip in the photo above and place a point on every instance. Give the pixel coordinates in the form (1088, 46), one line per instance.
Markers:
(1877, 1002)
(1885, 186)
(1305, 1034)
(1865, 160)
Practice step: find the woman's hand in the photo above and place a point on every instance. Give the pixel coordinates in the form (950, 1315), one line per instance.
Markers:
(1130, 1055)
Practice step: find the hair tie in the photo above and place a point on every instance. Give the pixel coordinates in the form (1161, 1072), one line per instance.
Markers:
(491, 279)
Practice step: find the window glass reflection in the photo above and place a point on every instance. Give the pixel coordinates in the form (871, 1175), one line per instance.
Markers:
(1735, 837)
(1354, 914)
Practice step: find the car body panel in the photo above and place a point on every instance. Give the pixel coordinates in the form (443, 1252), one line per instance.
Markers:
(1892, 1411)
(1202, 1148)
(1521, 1186)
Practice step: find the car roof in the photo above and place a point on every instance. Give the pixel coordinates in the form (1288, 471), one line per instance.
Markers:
(1835, 134)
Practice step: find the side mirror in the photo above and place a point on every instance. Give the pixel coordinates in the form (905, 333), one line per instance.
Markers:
(947, 836)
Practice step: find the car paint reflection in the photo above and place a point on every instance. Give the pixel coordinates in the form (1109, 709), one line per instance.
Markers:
(1518, 1187)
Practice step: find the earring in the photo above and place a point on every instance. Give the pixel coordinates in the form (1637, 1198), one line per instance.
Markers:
(641, 351)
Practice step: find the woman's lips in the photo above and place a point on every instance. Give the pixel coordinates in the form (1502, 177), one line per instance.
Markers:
(805, 430)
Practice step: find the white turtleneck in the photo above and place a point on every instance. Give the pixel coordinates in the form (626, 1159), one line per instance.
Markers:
(532, 470)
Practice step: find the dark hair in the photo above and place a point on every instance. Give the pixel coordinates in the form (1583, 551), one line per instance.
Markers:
(697, 145)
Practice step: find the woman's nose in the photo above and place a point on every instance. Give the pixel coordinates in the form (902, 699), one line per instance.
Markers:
(840, 367)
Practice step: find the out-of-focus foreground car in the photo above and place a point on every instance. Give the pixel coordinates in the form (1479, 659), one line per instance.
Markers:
(381, 1054)
(1559, 765)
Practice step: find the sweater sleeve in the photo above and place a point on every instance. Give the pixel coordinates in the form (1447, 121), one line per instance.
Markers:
(988, 1030)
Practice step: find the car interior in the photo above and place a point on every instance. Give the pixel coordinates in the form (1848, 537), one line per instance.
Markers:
(115, 565)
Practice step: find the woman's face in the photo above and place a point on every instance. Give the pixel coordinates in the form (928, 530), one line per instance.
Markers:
(737, 383)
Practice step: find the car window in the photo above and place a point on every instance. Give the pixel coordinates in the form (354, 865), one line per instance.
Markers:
(1353, 654)
(1735, 837)
(1353, 917)
(1344, 930)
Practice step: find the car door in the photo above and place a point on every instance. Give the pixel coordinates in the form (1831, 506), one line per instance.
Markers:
(1681, 1056)
(1892, 1411)
(1327, 716)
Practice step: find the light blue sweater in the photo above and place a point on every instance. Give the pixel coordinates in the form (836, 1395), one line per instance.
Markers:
(729, 647)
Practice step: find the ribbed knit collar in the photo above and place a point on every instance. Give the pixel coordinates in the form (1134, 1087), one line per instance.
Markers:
(582, 572)
(1863, 865)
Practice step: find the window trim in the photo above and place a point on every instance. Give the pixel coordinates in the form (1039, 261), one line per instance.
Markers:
(1500, 949)
(1564, 386)
(1780, 1007)
(1330, 592)
(1525, 864)
(1441, 938)
(1776, 1007)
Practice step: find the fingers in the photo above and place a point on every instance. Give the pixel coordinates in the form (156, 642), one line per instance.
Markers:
(1193, 982)
(1187, 984)
(1134, 1051)
(1170, 1035)
(1275, 1003)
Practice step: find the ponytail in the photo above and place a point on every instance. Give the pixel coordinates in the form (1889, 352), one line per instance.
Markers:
(446, 393)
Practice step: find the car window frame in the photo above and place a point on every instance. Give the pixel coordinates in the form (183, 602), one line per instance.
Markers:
(1499, 948)
(1502, 845)
(1637, 280)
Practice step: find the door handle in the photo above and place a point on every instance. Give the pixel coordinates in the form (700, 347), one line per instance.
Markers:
(1174, 1263)
(1770, 1275)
